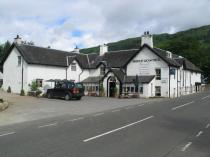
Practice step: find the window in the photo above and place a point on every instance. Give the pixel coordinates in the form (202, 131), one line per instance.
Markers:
(73, 67)
(124, 89)
(158, 74)
(19, 60)
(132, 89)
(127, 89)
(102, 71)
(157, 91)
(39, 82)
(140, 89)
(97, 89)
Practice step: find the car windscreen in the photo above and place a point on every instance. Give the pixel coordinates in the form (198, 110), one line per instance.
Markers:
(78, 85)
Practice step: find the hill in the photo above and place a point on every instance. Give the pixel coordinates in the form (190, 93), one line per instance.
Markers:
(193, 44)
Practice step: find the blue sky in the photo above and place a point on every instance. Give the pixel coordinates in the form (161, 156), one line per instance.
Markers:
(62, 24)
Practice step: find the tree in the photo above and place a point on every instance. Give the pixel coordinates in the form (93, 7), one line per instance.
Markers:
(4, 49)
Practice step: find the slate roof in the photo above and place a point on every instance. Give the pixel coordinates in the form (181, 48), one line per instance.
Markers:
(187, 65)
(130, 79)
(162, 54)
(1, 68)
(92, 79)
(119, 59)
(141, 79)
(113, 59)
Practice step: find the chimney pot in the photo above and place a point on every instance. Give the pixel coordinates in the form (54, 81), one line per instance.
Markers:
(147, 38)
(18, 40)
(103, 49)
(76, 49)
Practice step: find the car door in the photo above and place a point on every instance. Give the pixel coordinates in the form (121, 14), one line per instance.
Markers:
(58, 90)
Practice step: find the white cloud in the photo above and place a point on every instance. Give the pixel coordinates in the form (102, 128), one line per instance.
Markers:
(99, 21)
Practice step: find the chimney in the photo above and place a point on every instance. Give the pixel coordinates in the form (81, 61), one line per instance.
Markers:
(147, 38)
(168, 54)
(103, 49)
(76, 50)
(18, 40)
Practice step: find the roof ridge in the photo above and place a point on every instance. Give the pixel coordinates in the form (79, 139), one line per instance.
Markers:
(115, 51)
(88, 60)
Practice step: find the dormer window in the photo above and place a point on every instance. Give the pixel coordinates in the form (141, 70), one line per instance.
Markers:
(19, 60)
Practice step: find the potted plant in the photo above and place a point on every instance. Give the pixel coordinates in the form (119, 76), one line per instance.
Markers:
(115, 92)
(9, 90)
(22, 92)
(101, 90)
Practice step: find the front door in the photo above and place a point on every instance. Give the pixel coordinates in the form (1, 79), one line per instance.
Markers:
(157, 91)
(112, 88)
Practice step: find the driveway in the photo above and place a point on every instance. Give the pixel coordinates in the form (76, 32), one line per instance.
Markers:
(25, 108)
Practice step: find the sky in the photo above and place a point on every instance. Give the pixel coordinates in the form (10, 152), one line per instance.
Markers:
(63, 24)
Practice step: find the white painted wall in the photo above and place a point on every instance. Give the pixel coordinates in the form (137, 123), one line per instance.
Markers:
(1, 75)
(138, 67)
(85, 74)
(13, 72)
(45, 73)
(74, 75)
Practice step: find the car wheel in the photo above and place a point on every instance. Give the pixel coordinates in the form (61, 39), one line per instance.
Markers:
(78, 98)
(67, 97)
(49, 95)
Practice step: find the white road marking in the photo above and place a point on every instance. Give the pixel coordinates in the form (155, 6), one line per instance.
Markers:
(130, 107)
(72, 120)
(5, 134)
(116, 110)
(123, 127)
(47, 125)
(200, 133)
(186, 146)
(207, 126)
(175, 108)
(98, 114)
(205, 97)
(141, 105)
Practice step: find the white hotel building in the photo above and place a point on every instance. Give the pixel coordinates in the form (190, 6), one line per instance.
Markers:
(147, 71)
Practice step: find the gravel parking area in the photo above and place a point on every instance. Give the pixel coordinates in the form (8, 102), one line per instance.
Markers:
(25, 108)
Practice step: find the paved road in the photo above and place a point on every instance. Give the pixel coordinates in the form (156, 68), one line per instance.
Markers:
(175, 128)
(30, 108)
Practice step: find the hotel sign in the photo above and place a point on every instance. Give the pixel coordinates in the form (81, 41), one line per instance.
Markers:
(146, 60)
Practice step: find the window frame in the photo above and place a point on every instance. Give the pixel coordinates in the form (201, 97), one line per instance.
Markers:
(73, 67)
(158, 75)
(39, 82)
(19, 60)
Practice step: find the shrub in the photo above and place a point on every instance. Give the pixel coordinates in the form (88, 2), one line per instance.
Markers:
(9, 90)
(115, 91)
(1, 100)
(22, 92)
(38, 92)
(34, 86)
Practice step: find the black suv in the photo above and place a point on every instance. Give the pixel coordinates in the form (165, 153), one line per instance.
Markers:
(67, 90)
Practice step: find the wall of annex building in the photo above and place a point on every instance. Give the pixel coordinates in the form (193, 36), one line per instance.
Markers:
(174, 82)
(188, 80)
(13, 72)
(85, 74)
(45, 73)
